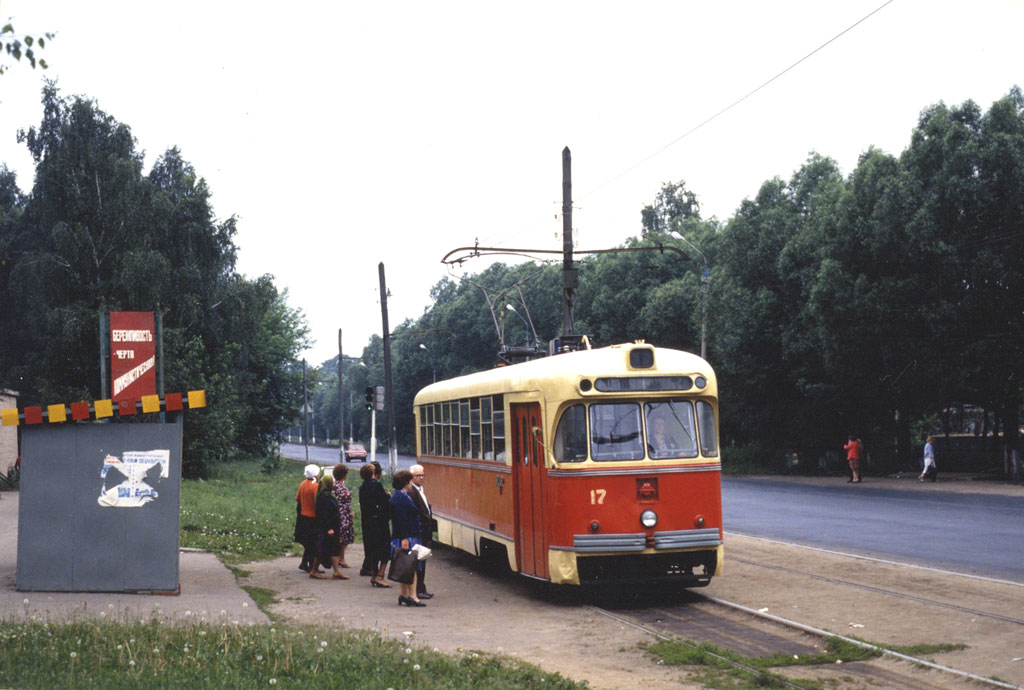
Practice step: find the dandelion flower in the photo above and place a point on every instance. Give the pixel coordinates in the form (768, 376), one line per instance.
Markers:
(408, 650)
(273, 681)
(323, 643)
(131, 662)
(415, 667)
(74, 654)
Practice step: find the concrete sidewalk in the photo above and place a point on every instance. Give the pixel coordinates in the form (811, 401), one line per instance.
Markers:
(209, 592)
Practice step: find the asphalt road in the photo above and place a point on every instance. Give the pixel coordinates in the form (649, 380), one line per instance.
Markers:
(973, 533)
(329, 456)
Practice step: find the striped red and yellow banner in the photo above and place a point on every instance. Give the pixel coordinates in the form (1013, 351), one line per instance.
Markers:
(101, 409)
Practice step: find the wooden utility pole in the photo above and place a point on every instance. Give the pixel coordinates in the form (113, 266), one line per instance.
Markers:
(389, 393)
(570, 277)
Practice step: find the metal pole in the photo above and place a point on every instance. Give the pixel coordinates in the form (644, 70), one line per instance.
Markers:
(373, 435)
(341, 404)
(389, 391)
(160, 359)
(570, 279)
(103, 355)
(305, 412)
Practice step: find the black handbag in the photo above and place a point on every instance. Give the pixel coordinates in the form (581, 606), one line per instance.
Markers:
(403, 567)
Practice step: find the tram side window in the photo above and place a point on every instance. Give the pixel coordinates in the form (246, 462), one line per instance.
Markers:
(486, 438)
(467, 451)
(499, 428)
(571, 435)
(438, 430)
(615, 432)
(453, 428)
(708, 433)
(474, 426)
(671, 432)
(426, 430)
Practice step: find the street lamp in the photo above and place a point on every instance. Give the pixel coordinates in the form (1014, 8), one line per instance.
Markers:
(703, 297)
(433, 369)
(526, 338)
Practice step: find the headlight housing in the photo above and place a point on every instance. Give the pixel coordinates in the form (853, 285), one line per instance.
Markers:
(648, 519)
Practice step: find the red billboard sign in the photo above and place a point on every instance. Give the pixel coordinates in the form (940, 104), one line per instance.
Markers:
(132, 355)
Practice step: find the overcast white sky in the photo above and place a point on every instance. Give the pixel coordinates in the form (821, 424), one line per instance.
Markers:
(343, 134)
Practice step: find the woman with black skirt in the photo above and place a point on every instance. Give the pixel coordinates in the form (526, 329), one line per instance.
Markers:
(373, 509)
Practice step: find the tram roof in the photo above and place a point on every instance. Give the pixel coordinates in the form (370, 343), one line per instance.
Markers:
(612, 360)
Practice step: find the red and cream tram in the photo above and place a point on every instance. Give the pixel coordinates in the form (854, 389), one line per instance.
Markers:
(590, 467)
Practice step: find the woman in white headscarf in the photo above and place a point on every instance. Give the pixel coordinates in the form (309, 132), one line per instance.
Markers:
(305, 517)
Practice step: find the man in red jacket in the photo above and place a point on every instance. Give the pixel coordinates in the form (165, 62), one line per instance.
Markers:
(853, 450)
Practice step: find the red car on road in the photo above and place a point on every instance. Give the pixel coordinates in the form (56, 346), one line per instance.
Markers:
(354, 452)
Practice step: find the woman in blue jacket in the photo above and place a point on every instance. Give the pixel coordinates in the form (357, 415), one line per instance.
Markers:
(405, 529)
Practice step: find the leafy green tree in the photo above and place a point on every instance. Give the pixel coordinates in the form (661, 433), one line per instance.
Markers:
(672, 204)
(15, 45)
(96, 235)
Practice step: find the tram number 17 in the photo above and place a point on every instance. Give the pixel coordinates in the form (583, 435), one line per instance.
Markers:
(597, 497)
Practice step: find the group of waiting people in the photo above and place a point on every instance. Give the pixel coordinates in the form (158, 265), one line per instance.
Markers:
(324, 524)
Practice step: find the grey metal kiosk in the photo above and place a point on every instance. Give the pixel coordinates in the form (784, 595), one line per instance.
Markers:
(100, 508)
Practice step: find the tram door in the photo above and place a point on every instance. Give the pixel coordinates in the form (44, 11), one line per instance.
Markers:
(528, 474)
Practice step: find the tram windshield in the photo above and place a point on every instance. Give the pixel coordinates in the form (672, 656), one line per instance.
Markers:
(616, 432)
(671, 432)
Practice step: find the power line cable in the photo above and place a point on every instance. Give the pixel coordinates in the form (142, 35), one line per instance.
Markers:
(720, 112)
(736, 102)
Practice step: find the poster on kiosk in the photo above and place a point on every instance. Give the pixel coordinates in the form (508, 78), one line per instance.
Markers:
(132, 355)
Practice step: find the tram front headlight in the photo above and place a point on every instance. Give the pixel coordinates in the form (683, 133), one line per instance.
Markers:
(648, 519)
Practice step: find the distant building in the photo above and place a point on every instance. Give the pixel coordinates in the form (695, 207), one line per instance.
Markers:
(8, 434)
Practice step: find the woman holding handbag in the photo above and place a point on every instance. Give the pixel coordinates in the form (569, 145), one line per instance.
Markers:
(405, 534)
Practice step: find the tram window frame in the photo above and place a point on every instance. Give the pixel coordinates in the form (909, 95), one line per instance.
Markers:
(474, 427)
(681, 426)
(708, 435)
(438, 430)
(572, 421)
(464, 429)
(486, 439)
(600, 415)
(498, 403)
(426, 422)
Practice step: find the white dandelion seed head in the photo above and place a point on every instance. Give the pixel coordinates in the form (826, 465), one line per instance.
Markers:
(323, 643)
(273, 681)
(408, 650)
(74, 654)
(131, 662)
(416, 667)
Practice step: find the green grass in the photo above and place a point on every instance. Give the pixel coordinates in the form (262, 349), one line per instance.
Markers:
(713, 670)
(115, 655)
(242, 514)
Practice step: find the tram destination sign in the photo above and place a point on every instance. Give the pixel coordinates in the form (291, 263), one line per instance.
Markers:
(132, 355)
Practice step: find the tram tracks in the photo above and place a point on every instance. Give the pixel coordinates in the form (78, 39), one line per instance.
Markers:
(891, 607)
(673, 633)
(880, 590)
